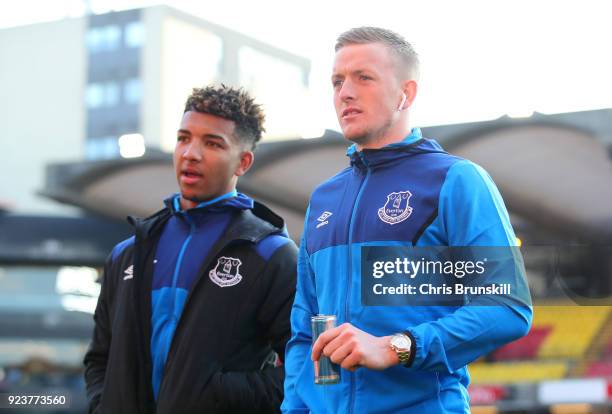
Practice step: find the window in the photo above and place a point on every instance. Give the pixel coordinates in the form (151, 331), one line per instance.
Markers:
(132, 91)
(94, 40)
(257, 70)
(112, 93)
(99, 148)
(112, 38)
(103, 38)
(94, 96)
(134, 34)
(100, 95)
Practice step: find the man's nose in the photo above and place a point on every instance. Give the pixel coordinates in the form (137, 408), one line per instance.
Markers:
(347, 90)
(193, 152)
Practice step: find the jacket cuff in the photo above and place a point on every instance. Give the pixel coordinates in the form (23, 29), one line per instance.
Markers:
(412, 348)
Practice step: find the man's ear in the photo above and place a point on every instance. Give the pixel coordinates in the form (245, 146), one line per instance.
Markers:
(246, 160)
(410, 89)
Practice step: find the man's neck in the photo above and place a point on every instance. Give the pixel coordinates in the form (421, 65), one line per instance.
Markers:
(381, 142)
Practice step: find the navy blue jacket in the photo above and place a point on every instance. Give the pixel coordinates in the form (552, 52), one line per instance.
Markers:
(190, 309)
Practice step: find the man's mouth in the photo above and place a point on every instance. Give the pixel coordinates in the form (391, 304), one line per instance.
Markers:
(350, 112)
(190, 176)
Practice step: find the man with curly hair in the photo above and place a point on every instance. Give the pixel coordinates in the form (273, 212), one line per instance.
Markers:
(194, 308)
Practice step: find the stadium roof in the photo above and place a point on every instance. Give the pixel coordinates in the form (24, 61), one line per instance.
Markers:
(554, 171)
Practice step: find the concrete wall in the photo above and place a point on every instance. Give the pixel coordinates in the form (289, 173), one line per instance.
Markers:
(42, 116)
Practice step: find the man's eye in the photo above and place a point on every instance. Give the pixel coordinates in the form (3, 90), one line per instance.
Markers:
(365, 77)
(213, 144)
(181, 138)
(337, 83)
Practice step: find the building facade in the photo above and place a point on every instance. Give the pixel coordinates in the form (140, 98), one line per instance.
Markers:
(113, 85)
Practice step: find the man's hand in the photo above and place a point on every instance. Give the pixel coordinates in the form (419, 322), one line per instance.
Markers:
(352, 348)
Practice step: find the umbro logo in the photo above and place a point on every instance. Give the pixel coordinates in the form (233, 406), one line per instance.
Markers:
(128, 273)
(323, 219)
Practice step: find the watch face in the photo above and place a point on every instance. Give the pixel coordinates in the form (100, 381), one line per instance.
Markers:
(401, 341)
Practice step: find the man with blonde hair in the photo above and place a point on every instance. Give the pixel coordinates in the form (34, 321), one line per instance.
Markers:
(400, 190)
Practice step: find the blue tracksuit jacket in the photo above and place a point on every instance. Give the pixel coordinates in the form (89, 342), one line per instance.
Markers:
(453, 202)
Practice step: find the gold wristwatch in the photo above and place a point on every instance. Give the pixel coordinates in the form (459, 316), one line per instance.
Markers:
(401, 343)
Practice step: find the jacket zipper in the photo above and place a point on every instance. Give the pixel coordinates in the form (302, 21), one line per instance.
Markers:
(177, 268)
(179, 260)
(350, 267)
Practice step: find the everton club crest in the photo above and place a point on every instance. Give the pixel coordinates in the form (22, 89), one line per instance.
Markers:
(225, 272)
(396, 209)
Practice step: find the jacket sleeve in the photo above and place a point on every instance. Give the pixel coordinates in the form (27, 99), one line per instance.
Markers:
(96, 356)
(472, 213)
(298, 348)
(262, 391)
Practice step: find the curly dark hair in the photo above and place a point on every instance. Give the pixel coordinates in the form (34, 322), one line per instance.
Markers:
(230, 103)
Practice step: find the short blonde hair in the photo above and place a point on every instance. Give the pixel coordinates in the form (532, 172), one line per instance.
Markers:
(396, 43)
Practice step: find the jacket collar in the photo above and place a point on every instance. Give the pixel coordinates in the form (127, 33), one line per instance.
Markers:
(232, 199)
(250, 224)
(414, 143)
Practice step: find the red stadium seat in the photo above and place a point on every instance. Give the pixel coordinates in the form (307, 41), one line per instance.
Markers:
(524, 348)
(599, 369)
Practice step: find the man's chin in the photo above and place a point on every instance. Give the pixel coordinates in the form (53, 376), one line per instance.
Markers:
(357, 137)
(190, 198)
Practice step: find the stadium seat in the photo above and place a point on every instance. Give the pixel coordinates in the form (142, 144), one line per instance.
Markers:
(515, 372)
(524, 348)
(600, 369)
(573, 329)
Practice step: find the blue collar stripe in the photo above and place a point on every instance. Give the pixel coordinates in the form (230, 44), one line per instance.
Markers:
(231, 194)
(414, 136)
